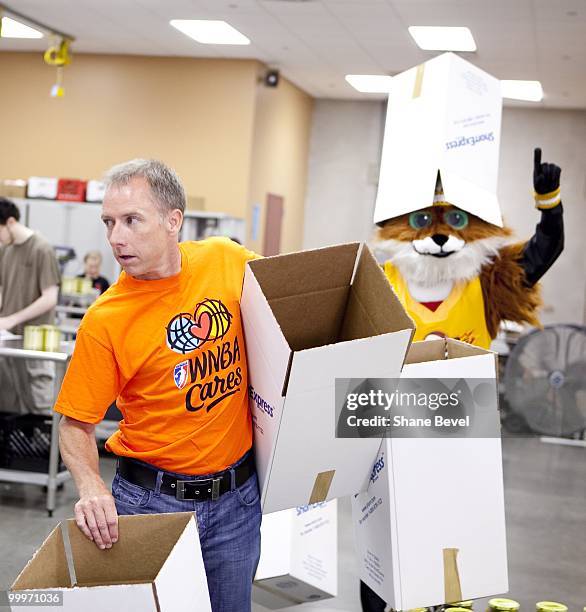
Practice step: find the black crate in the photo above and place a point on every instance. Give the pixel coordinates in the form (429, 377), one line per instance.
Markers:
(25, 442)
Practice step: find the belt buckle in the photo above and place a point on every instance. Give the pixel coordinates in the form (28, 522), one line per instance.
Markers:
(214, 489)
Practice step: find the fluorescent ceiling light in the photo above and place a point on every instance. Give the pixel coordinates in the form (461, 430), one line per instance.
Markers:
(530, 91)
(432, 38)
(210, 32)
(15, 29)
(370, 83)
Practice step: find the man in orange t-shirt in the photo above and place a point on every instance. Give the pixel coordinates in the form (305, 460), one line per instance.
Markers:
(166, 342)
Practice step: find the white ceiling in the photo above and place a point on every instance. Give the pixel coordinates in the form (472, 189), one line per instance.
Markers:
(315, 43)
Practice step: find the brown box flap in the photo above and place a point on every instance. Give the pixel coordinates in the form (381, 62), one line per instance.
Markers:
(48, 568)
(426, 350)
(306, 271)
(373, 307)
(443, 348)
(144, 543)
(311, 319)
(457, 348)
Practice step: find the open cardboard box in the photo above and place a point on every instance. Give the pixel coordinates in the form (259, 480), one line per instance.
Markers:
(444, 116)
(299, 556)
(309, 318)
(430, 529)
(155, 565)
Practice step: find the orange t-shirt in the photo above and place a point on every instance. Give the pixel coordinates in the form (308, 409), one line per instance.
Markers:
(171, 353)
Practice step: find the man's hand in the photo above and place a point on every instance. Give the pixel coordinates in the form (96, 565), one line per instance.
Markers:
(95, 512)
(7, 323)
(45, 302)
(96, 516)
(546, 182)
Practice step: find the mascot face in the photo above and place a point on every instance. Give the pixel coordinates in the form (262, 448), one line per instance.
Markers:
(440, 243)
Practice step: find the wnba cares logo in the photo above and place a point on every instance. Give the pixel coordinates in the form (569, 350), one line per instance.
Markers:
(209, 321)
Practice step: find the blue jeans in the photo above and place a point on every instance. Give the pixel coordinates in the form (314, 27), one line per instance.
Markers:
(229, 532)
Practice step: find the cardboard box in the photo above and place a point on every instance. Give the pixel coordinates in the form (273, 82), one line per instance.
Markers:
(443, 116)
(95, 191)
(13, 188)
(42, 187)
(155, 565)
(71, 190)
(299, 556)
(309, 318)
(431, 527)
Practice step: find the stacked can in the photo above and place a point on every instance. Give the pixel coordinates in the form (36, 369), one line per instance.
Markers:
(34, 338)
(503, 605)
(42, 338)
(76, 286)
(550, 606)
(84, 285)
(68, 285)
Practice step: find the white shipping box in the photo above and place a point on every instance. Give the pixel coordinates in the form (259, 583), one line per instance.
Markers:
(156, 565)
(299, 556)
(42, 187)
(443, 116)
(431, 527)
(95, 191)
(309, 318)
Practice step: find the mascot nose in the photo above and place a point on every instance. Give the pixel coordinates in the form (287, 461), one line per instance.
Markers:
(440, 239)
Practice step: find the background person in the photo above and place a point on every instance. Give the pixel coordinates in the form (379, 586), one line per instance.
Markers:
(29, 287)
(92, 262)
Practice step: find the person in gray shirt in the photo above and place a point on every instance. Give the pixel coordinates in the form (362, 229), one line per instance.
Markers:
(29, 287)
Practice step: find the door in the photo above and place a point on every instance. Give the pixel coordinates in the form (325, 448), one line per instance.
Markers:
(273, 224)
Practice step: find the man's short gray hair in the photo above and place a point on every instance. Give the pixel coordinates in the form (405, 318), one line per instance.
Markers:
(165, 185)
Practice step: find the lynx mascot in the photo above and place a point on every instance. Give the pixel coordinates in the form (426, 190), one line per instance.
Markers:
(459, 276)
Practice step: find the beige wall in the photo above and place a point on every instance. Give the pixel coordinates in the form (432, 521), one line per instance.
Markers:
(229, 137)
(282, 129)
(196, 115)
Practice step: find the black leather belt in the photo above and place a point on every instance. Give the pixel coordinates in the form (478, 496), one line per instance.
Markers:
(185, 488)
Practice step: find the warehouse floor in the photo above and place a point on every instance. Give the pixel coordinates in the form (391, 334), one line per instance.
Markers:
(545, 492)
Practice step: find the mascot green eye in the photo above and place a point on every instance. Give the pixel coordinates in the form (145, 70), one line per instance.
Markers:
(457, 219)
(419, 220)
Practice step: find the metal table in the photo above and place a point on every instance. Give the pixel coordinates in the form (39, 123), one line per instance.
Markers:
(13, 348)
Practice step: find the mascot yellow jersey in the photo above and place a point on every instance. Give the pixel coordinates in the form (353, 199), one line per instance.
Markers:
(460, 315)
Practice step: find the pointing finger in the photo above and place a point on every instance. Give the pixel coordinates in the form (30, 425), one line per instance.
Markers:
(536, 159)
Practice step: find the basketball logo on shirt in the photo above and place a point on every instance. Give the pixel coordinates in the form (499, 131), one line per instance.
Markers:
(214, 373)
(181, 374)
(186, 332)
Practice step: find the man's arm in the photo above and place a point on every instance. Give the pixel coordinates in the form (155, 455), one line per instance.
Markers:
(45, 302)
(95, 512)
